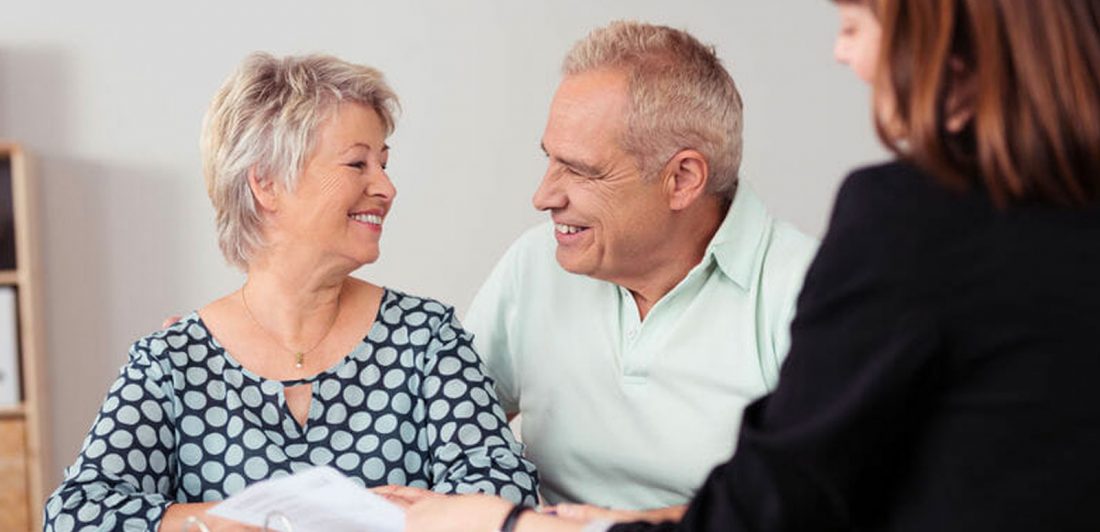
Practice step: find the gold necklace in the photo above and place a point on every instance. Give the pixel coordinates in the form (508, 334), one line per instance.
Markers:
(299, 355)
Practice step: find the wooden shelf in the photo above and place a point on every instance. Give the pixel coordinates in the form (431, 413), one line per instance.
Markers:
(22, 429)
(16, 411)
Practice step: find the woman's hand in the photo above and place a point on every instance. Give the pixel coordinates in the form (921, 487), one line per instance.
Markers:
(176, 515)
(405, 496)
(585, 512)
(456, 513)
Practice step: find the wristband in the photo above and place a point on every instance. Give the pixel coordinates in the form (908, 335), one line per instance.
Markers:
(510, 520)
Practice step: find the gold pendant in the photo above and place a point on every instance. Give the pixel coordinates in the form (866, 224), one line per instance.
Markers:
(298, 357)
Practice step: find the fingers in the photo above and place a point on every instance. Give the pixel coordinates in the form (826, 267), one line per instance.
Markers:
(403, 491)
(390, 493)
(585, 512)
(404, 496)
(384, 490)
(579, 512)
(672, 513)
(401, 503)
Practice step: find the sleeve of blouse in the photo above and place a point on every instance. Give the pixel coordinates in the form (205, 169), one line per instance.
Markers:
(825, 446)
(123, 477)
(470, 447)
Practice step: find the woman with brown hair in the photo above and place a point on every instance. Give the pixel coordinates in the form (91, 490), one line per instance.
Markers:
(943, 367)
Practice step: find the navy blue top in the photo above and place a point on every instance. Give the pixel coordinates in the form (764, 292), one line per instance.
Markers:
(185, 422)
(942, 374)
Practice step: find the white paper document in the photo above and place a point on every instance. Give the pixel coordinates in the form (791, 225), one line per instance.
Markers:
(9, 348)
(320, 499)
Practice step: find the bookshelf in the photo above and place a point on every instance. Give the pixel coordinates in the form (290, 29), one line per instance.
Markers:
(22, 455)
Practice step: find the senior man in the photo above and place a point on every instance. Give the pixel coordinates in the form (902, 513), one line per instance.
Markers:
(656, 305)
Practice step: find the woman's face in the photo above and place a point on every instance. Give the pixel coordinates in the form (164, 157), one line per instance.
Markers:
(857, 43)
(343, 194)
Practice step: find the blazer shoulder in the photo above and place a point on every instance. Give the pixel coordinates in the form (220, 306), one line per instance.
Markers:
(897, 196)
(894, 218)
(895, 183)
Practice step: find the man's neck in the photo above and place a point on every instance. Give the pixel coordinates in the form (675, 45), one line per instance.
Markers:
(687, 240)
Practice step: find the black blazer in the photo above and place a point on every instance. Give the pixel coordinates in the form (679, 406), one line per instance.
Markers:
(944, 374)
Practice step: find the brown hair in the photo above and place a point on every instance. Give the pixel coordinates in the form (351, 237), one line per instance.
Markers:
(1028, 70)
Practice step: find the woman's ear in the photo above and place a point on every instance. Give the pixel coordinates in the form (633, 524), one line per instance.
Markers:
(263, 189)
(686, 178)
(960, 101)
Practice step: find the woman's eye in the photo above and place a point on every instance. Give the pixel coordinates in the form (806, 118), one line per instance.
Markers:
(358, 165)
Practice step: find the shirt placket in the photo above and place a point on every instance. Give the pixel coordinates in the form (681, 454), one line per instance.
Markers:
(630, 333)
(634, 343)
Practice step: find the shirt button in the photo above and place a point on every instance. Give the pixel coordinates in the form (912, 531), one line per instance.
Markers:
(632, 333)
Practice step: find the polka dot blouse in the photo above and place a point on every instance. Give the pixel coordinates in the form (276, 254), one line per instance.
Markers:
(185, 422)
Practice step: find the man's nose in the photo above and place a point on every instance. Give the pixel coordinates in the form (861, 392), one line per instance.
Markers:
(549, 195)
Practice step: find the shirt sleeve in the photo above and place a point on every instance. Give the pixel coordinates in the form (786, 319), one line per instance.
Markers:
(796, 253)
(823, 447)
(489, 320)
(123, 477)
(471, 449)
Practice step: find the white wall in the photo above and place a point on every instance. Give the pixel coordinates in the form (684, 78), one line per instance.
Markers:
(108, 97)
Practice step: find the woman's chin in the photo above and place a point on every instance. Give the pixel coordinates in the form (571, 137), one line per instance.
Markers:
(367, 259)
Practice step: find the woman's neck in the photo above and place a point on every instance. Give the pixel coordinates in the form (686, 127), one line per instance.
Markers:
(296, 305)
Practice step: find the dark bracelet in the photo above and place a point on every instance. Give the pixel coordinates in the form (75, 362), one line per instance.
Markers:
(510, 520)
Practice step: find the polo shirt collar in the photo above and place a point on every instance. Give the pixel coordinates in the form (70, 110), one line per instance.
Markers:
(737, 242)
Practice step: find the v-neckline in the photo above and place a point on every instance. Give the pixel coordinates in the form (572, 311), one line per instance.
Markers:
(291, 426)
(215, 345)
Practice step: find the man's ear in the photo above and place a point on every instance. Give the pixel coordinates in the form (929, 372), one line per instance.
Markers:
(686, 175)
(263, 189)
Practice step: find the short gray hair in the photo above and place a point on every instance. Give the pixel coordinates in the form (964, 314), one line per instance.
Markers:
(265, 116)
(681, 97)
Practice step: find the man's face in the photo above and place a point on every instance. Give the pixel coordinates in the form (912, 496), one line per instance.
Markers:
(608, 219)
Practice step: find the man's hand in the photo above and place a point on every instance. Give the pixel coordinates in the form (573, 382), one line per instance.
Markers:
(456, 513)
(585, 512)
(405, 496)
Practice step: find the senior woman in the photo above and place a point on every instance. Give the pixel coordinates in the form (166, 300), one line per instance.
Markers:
(303, 365)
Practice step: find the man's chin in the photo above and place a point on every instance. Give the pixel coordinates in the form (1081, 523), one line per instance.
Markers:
(571, 263)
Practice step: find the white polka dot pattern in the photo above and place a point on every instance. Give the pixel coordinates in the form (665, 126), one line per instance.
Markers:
(185, 422)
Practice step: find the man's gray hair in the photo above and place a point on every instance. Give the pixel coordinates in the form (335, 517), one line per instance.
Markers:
(681, 97)
(265, 118)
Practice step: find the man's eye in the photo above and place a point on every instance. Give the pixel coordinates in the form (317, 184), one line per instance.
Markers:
(572, 170)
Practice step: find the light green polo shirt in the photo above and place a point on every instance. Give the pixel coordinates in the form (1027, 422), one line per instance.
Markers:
(633, 414)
